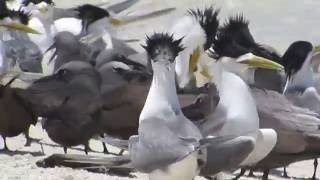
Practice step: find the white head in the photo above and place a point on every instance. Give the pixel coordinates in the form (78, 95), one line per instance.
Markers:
(198, 30)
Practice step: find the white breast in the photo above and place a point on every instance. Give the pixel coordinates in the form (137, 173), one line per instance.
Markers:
(241, 111)
(186, 169)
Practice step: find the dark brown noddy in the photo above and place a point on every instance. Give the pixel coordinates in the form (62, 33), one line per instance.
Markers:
(16, 115)
(75, 120)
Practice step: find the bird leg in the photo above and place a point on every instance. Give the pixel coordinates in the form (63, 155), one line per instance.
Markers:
(86, 148)
(5, 144)
(285, 174)
(65, 149)
(243, 170)
(265, 174)
(5, 148)
(105, 149)
(315, 165)
(251, 173)
(121, 152)
(30, 139)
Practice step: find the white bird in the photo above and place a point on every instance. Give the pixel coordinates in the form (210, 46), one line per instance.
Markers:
(236, 112)
(168, 144)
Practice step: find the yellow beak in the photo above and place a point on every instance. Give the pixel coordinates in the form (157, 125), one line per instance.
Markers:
(259, 62)
(19, 27)
(194, 60)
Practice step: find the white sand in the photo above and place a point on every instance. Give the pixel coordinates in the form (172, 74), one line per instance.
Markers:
(21, 164)
(274, 22)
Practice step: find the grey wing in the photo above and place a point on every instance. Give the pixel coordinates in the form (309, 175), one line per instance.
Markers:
(59, 13)
(289, 116)
(289, 121)
(141, 58)
(157, 146)
(308, 99)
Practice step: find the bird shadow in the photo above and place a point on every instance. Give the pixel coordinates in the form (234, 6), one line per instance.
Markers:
(278, 173)
(75, 148)
(17, 152)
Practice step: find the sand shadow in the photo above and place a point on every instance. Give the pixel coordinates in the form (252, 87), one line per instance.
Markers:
(17, 152)
(76, 148)
(278, 173)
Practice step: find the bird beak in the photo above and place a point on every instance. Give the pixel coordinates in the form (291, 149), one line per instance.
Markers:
(194, 60)
(25, 77)
(19, 27)
(130, 19)
(259, 62)
(193, 64)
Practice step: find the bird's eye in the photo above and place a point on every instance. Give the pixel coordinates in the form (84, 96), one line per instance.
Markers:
(62, 72)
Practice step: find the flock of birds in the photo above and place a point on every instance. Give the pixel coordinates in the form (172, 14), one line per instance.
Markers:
(203, 98)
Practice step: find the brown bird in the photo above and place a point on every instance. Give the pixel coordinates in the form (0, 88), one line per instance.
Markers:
(16, 116)
(69, 100)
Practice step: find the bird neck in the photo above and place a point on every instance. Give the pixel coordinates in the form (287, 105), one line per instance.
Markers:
(244, 72)
(162, 96)
(301, 79)
(236, 107)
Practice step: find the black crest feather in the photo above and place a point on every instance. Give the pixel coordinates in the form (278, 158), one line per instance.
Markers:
(20, 15)
(295, 56)
(208, 19)
(238, 27)
(4, 11)
(27, 2)
(90, 13)
(236, 22)
(235, 39)
(160, 41)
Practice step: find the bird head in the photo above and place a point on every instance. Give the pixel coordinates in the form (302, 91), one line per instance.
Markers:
(296, 56)
(162, 49)
(77, 80)
(15, 20)
(208, 20)
(234, 38)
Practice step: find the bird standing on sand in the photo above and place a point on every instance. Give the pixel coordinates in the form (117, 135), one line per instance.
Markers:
(174, 154)
(300, 86)
(16, 115)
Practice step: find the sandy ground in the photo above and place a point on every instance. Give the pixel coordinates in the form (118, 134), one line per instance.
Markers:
(20, 164)
(273, 22)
